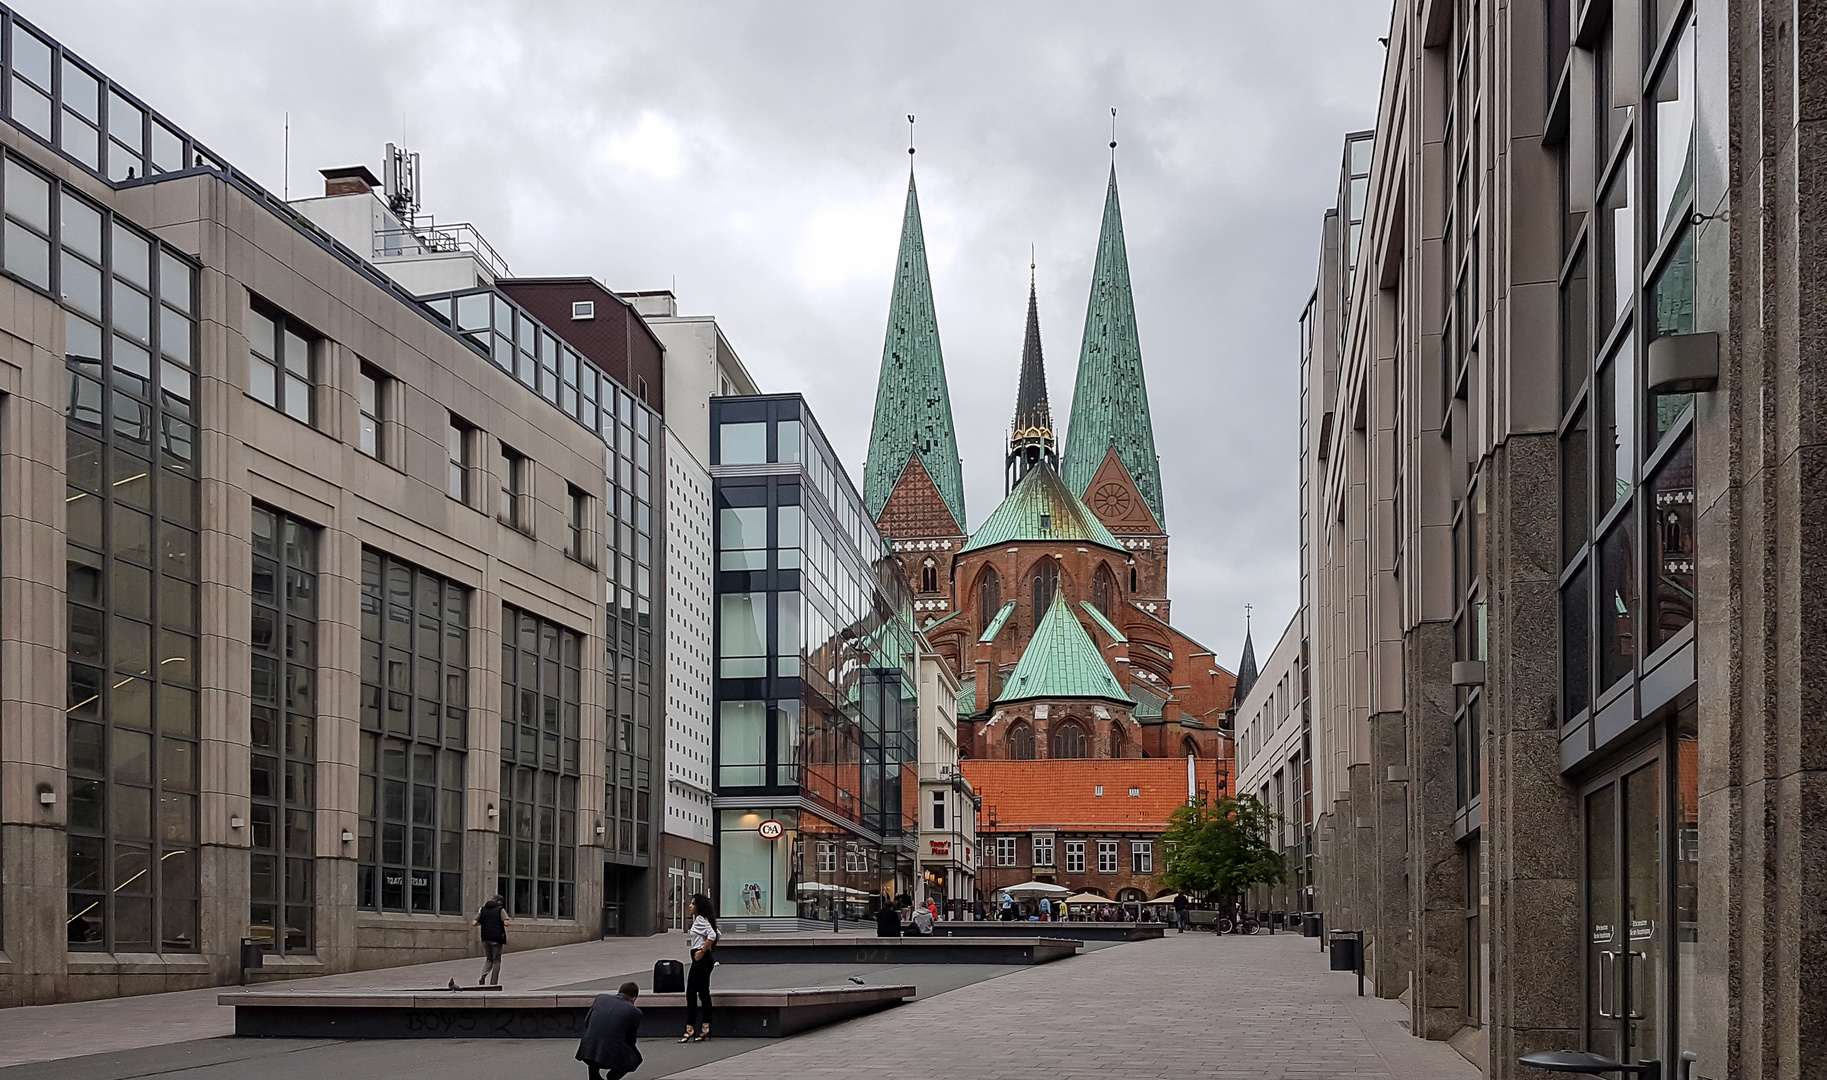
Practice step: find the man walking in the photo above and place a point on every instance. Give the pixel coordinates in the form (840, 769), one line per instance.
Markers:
(1181, 907)
(493, 920)
(610, 1029)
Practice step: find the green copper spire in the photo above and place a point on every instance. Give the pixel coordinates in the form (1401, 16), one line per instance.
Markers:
(913, 410)
(1061, 661)
(1110, 401)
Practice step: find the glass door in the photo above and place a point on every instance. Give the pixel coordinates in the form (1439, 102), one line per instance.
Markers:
(1625, 965)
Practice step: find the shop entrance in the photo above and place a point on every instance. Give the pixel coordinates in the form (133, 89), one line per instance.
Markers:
(1626, 956)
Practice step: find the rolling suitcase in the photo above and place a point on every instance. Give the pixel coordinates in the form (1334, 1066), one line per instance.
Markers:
(668, 977)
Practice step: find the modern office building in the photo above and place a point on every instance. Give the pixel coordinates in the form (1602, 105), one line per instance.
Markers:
(816, 679)
(699, 365)
(334, 614)
(1273, 765)
(1557, 490)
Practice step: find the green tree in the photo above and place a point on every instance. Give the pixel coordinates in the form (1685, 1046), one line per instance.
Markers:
(1222, 848)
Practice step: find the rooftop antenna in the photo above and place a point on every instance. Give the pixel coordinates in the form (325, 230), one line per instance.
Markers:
(401, 181)
(285, 183)
(1113, 134)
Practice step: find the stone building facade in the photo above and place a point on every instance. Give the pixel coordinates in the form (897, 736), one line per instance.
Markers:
(328, 605)
(1557, 384)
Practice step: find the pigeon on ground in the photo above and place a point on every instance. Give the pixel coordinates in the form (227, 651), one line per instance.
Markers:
(454, 986)
(857, 979)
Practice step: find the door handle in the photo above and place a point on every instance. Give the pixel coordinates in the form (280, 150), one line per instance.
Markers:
(1607, 977)
(1636, 974)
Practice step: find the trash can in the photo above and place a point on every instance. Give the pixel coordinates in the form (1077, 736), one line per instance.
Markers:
(253, 953)
(1344, 950)
(1310, 924)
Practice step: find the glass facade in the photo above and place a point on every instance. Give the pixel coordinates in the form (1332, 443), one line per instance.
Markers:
(414, 719)
(282, 733)
(815, 712)
(540, 715)
(132, 563)
(1624, 119)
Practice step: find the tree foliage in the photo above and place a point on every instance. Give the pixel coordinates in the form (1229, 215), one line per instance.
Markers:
(1222, 848)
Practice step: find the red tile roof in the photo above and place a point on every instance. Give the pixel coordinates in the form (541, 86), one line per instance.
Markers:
(1028, 795)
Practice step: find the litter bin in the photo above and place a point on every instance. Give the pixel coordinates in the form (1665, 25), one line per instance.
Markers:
(1344, 950)
(1310, 924)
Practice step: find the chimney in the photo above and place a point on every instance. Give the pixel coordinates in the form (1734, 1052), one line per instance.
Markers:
(349, 180)
(986, 688)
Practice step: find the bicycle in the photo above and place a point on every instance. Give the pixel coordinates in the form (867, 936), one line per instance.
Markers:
(1227, 926)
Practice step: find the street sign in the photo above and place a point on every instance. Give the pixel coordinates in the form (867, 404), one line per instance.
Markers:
(771, 829)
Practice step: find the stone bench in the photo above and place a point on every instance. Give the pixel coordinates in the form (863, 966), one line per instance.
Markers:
(1030, 948)
(468, 1014)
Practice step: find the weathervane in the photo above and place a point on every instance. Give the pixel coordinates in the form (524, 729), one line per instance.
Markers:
(1112, 134)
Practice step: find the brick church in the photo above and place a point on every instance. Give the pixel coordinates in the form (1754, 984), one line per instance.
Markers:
(1054, 609)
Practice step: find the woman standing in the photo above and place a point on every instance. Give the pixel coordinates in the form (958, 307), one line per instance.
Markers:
(704, 935)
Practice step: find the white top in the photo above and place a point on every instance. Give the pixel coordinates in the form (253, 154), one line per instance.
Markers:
(701, 931)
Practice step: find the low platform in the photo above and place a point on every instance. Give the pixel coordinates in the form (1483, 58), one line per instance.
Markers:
(378, 1014)
(1030, 948)
(1079, 931)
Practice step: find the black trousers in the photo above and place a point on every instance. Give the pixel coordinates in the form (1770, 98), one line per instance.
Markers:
(697, 992)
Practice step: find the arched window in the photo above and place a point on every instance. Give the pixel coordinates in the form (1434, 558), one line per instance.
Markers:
(1132, 575)
(1189, 748)
(1104, 590)
(929, 577)
(989, 597)
(1021, 743)
(1069, 741)
(1119, 744)
(1046, 583)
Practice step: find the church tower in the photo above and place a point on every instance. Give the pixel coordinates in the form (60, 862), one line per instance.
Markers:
(913, 483)
(1109, 458)
(1031, 435)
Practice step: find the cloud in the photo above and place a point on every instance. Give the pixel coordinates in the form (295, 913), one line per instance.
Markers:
(755, 153)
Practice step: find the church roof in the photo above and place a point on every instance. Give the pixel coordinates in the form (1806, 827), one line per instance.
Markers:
(1041, 508)
(1110, 399)
(1149, 705)
(1061, 661)
(1098, 617)
(996, 624)
(1246, 667)
(913, 409)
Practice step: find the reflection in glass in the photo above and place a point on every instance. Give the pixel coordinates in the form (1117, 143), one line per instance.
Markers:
(1674, 101)
(1617, 263)
(1617, 601)
(1671, 540)
(1673, 291)
(743, 444)
(1615, 442)
(1576, 644)
(1576, 505)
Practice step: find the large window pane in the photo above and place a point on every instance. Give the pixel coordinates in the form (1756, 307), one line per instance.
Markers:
(1618, 601)
(742, 731)
(1672, 555)
(1615, 442)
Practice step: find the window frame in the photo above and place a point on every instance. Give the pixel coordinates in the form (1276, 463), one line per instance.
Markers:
(373, 419)
(288, 381)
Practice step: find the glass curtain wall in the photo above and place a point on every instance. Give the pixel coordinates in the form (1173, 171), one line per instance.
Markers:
(541, 679)
(1624, 116)
(628, 648)
(814, 694)
(282, 733)
(415, 719)
(132, 572)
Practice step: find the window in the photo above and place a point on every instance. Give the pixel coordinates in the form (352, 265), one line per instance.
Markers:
(1075, 856)
(742, 743)
(929, 577)
(742, 538)
(1104, 590)
(415, 727)
(582, 310)
(131, 841)
(1106, 856)
(577, 523)
(938, 809)
(281, 368)
(744, 635)
(1142, 856)
(1070, 741)
(1046, 583)
(989, 597)
(1005, 851)
(541, 679)
(1021, 742)
(827, 857)
(512, 509)
(459, 443)
(743, 444)
(282, 723)
(27, 245)
(856, 858)
(1043, 851)
(373, 389)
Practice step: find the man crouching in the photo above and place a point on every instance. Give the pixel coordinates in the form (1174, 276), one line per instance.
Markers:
(609, 1033)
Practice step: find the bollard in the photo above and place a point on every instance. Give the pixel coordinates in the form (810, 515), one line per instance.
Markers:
(1360, 963)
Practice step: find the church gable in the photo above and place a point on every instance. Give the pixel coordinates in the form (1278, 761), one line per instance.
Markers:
(1113, 496)
(915, 508)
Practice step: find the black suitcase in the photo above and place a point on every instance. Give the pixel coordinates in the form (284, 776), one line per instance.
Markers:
(668, 977)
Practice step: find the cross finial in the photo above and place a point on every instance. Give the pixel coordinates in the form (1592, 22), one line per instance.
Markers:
(1246, 616)
(1113, 134)
(1030, 264)
(910, 142)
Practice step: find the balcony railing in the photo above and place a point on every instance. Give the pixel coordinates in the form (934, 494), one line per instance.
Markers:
(429, 238)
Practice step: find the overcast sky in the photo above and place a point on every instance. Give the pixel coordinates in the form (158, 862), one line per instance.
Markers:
(753, 156)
